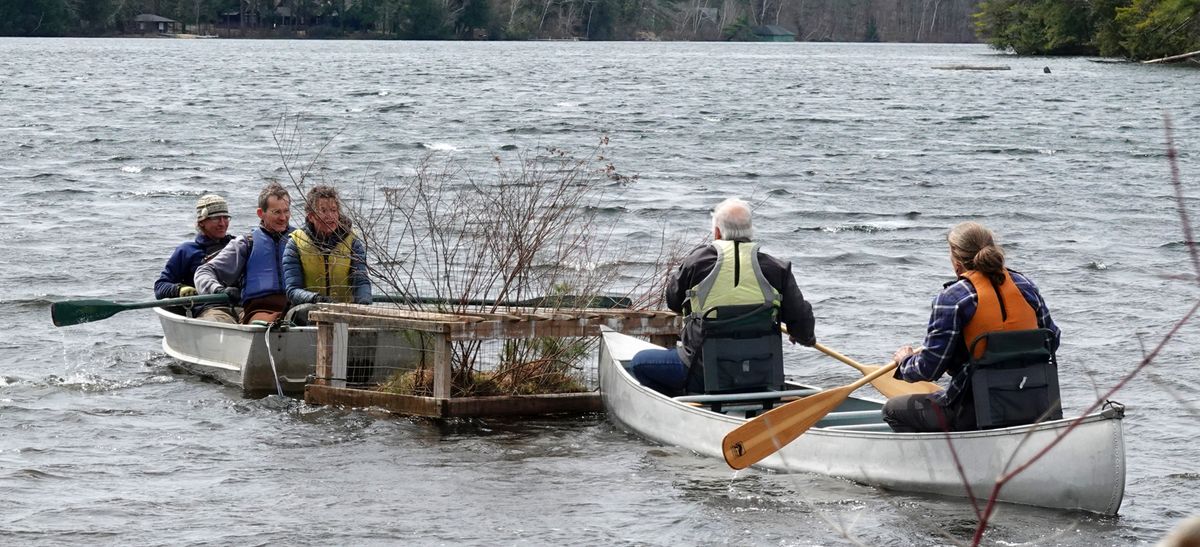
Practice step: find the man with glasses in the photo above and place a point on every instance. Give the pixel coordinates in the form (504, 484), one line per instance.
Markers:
(250, 268)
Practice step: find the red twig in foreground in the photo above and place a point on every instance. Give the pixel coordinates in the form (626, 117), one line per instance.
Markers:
(1190, 243)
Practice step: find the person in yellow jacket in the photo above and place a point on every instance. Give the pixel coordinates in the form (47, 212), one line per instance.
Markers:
(324, 261)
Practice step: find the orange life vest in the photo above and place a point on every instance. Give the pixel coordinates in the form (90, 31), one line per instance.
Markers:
(1000, 308)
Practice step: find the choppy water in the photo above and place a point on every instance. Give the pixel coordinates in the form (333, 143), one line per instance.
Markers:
(860, 156)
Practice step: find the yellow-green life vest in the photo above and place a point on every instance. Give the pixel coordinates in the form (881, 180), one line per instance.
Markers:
(326, 273)
(736, 279)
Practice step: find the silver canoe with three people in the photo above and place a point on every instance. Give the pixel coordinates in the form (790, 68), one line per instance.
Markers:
(273, 270)
(990, 332)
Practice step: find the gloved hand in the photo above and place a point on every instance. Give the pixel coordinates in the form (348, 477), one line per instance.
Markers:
(299, 314)
(322, 300)
(187, 290)
(806, 343)
(235, 295)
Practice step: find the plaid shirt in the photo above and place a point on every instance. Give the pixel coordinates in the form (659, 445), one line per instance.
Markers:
(945, 350)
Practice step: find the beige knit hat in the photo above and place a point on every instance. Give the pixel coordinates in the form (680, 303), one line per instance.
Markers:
(211, 205)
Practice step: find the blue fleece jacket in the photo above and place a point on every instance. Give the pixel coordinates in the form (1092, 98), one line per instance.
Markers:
(181, 267)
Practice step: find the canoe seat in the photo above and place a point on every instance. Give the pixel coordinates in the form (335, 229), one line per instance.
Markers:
(742, 350)
(1014, 380)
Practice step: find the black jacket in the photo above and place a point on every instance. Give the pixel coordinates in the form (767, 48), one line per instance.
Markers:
(794, 311)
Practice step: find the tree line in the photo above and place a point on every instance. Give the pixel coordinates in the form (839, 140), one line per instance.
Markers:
(811, 20)
(1138, 29)
(1134, 29)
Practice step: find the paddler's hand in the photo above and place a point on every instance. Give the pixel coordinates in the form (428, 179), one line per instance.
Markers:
(903, 353)
(234, 293)
(187, 290)
(806, 343)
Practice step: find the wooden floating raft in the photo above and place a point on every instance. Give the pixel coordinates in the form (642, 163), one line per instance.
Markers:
(435, 333)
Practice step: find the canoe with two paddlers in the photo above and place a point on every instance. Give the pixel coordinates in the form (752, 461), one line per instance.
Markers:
(1085, 471)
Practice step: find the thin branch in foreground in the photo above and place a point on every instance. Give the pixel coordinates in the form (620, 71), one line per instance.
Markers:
(1172, 158)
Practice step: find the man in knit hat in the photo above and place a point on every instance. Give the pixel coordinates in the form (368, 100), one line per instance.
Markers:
(178, 276)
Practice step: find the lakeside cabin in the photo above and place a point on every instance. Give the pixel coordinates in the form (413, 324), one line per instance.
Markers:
(773, 33)
(147, 23)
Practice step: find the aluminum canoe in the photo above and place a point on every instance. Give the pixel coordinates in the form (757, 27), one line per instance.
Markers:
(237, 355)
(1084, 471)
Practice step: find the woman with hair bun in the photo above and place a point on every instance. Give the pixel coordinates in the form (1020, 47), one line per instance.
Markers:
(985, 297)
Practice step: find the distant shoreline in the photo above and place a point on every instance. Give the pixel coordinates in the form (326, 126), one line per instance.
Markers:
(371, 38)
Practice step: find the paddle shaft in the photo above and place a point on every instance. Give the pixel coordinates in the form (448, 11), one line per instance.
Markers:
(867, 379)
(74, 312)
(859, 366)
(541, 301)
(887, 385)
(181, 301)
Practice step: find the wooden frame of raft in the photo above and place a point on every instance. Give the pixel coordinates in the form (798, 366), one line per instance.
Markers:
(334, 321)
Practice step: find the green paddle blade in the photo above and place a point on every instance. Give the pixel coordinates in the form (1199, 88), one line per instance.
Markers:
(74, 312)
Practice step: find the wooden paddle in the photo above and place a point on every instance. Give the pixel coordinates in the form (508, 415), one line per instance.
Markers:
(762, 436)
(888, 385)
(74, 312)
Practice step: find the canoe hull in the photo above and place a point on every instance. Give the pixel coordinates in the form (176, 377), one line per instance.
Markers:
(237, 355)
(1084, 471)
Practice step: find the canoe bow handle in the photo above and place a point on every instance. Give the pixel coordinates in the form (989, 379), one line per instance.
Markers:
(737, 449)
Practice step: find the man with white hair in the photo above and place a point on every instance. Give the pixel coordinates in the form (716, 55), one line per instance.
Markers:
(729, 273)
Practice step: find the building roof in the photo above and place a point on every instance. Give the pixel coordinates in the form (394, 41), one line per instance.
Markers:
(771, 30)
(151, 18)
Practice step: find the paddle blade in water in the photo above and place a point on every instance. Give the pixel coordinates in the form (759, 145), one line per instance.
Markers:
(74, 312)
(762, 436)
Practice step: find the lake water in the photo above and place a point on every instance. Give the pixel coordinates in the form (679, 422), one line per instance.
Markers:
(859, 158)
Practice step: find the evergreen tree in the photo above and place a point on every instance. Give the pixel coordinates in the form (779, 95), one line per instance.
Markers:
(1037, 27)
(872, 34)
(95, 16)
(426, 20)
(476, 14)
(1107, 37)
(739, 30)
(598, 20)
(34, 17)
(1151, 29)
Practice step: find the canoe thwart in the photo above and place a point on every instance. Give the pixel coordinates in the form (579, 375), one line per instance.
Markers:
(854, 417)
(756, 396)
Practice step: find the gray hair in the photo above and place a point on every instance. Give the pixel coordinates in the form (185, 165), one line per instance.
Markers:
(732, 217)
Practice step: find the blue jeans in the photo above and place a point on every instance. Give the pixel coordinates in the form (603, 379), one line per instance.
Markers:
(660, 370)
